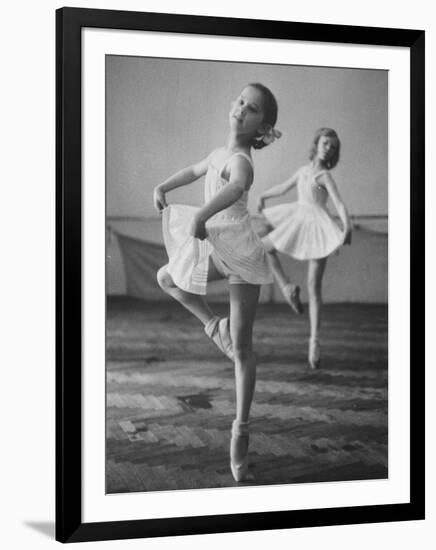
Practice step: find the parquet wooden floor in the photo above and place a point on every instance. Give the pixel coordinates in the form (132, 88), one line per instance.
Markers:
(170, 399)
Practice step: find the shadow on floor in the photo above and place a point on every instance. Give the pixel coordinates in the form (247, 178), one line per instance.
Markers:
(47, 528)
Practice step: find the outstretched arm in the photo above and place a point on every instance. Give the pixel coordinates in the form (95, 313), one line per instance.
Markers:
(277, 191)
(183, 177)
(330, 184)
(240, 180)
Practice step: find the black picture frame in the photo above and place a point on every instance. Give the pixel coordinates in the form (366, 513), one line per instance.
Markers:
(69, 525)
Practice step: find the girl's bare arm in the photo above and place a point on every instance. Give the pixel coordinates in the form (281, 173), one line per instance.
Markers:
(277, 191)
(240, 180)
(330, 184)
(183, 177)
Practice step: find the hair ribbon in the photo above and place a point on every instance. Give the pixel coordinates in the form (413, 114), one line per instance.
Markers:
(271, 135)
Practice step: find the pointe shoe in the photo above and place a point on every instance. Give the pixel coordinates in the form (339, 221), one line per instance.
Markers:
(239, 470)
(291, 294)
(314, 353)
(218, 330)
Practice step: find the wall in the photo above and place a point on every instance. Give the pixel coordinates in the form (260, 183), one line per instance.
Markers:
(163, 115)
(358, 273)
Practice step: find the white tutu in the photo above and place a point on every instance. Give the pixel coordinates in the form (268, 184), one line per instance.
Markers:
(235, 243)
(305, 229)
(230, 236)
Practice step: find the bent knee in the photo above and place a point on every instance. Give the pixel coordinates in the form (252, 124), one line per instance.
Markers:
(164, 279)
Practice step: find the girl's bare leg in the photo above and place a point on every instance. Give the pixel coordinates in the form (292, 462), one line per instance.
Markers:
(194, 303)
(314, 286)
(315, 274)
(243, 303)
(290, 291)
(276, 267)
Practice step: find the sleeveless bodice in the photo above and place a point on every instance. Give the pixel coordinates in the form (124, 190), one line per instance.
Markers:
(309, 190)
(230, 236)
(305, 229)
(215, 181)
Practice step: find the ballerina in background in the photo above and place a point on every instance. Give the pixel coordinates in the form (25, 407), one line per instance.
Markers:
(305, 229)
(217, 241)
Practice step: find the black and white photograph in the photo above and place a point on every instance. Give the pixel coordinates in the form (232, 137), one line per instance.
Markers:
(240, 244)
(218, 265)
(246, 274)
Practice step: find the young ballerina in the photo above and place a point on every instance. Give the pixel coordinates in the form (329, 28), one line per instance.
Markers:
(305, 229)
(217, 241)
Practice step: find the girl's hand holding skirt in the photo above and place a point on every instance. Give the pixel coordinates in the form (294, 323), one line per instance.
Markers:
(198, 229)
(159, 201)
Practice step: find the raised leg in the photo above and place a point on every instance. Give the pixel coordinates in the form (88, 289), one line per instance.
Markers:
(276, 267)
(194, 303)
(290, 291)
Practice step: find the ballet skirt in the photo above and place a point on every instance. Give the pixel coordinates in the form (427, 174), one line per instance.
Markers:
(305, 229)
(230, 236)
